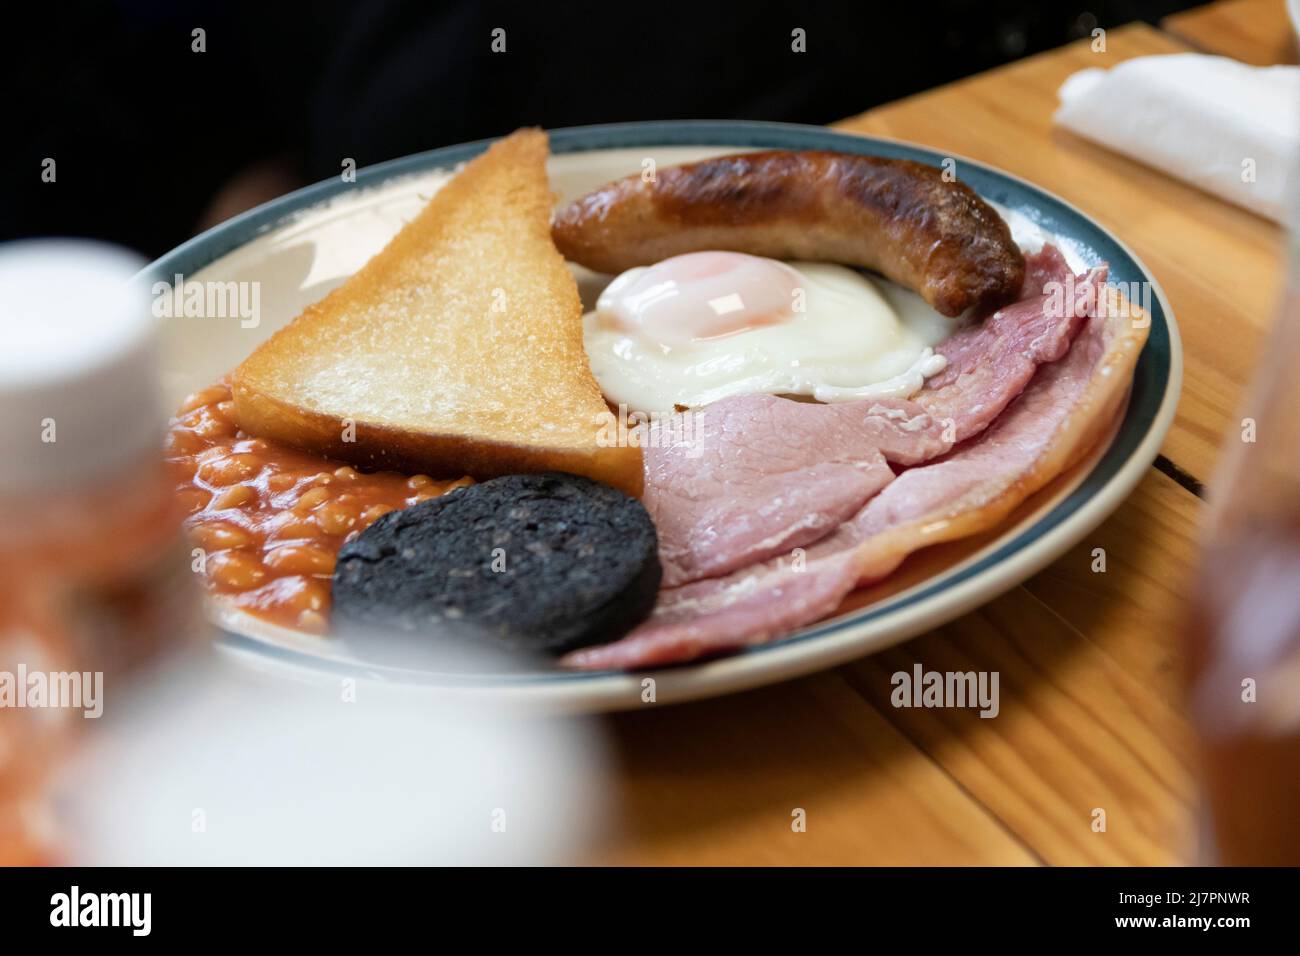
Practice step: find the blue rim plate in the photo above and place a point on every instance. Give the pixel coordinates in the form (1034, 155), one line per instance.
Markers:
(1019, 553)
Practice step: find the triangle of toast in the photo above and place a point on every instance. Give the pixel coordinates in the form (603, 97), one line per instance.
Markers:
(456, 350)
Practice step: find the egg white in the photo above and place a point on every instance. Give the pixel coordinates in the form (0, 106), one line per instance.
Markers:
(855, 338)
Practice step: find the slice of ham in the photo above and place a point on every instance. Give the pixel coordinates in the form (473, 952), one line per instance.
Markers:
(762, 475)
(991, 362)
(1064, 411)
(754, 476)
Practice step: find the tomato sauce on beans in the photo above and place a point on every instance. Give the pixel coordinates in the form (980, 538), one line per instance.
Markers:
(270, 519)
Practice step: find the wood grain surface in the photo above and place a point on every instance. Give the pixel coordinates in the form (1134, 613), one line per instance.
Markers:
(1090, 718)
(1257, 32)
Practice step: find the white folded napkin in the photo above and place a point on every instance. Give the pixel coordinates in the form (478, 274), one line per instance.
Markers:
(1231, 129)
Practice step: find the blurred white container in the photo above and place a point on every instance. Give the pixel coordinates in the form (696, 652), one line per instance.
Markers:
(94, 573)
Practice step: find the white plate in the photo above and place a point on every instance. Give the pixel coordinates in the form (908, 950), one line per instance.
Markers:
(299, 247)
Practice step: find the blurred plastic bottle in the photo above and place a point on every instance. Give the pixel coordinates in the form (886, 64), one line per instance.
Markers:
(1244, 620)
(94, 574)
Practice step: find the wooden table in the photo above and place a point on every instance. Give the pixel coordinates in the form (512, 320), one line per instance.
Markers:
(1089, 663)
(1253, 31)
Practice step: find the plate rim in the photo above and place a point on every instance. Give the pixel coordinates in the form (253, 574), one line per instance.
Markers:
(821, 645)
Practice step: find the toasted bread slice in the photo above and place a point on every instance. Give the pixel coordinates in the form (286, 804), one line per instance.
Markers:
(456, 350)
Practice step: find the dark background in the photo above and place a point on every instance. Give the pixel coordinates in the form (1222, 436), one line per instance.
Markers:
(154, 141)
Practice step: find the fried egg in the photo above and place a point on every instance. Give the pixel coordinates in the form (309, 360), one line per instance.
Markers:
(699, 327)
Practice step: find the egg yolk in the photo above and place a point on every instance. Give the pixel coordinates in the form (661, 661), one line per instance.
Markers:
(700, 296)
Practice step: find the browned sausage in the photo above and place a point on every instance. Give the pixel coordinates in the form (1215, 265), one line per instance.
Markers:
(895, 216)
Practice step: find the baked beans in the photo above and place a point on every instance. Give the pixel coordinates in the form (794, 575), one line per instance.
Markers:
(269, 519)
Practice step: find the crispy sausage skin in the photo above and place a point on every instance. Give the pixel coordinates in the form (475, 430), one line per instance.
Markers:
(895, 216)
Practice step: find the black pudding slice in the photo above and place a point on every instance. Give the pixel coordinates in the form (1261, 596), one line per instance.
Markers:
(543, 563)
